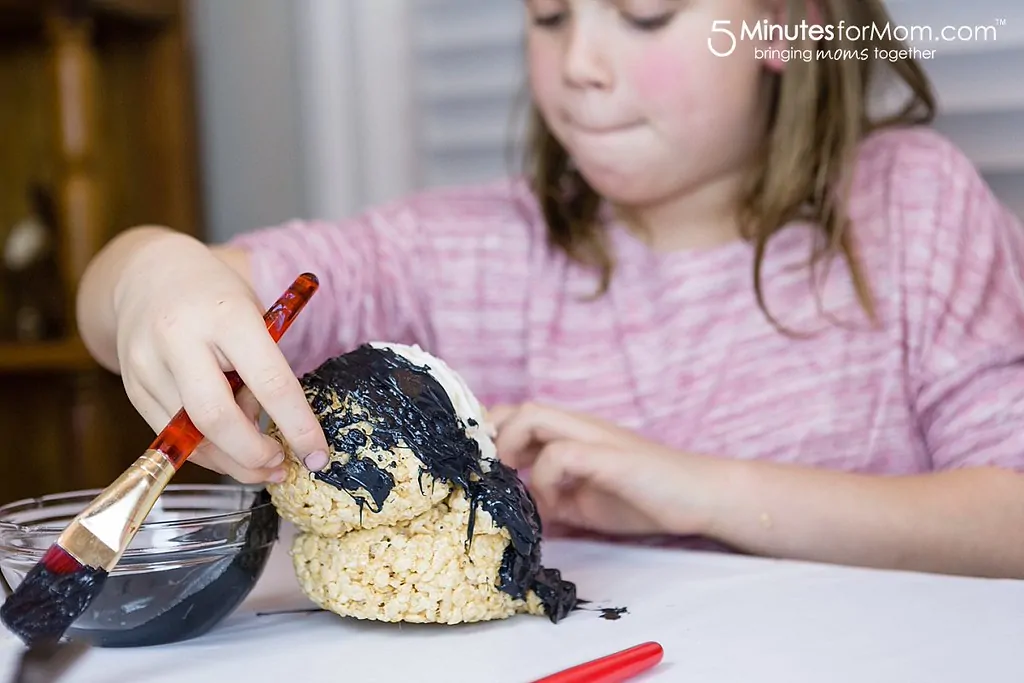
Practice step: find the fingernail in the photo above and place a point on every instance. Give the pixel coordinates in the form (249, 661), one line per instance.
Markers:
(277, 460)
(316, 461)
(277, 476)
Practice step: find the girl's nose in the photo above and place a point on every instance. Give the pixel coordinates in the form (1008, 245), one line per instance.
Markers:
(585, 64)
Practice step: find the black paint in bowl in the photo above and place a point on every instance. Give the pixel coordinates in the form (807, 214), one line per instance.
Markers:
(197, 557)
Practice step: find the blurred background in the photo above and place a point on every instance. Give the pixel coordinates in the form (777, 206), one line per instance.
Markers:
(219, 116)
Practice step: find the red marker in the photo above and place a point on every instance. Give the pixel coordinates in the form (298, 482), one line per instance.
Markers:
(613, 668)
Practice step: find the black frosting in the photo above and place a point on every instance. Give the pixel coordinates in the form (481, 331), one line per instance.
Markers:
(405, 404)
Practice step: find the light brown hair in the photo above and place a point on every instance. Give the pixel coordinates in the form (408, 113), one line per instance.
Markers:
(818, 113)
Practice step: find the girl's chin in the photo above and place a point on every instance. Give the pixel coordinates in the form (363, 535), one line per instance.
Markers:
(627, 189)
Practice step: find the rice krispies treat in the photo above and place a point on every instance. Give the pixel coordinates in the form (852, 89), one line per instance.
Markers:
(416, 571)
(412, 479)
(320, 507)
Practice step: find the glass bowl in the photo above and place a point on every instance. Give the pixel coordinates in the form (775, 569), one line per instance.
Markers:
(197, 557)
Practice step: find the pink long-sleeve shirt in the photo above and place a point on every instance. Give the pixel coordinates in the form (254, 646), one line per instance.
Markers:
(678, 348)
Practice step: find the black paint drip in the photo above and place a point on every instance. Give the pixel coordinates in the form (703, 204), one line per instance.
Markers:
(404, 403)
(613, 613)
(608, 613)
(360, 473)
(502, 494)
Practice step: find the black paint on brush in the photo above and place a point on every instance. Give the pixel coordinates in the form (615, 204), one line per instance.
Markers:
(405, 404)
(54, 593)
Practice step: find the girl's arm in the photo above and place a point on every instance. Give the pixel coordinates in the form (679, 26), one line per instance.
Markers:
(967, 521)
(961, 287)
(170, 314)
(590, 474)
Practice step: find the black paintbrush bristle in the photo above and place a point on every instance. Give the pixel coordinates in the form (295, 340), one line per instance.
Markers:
(53, 595)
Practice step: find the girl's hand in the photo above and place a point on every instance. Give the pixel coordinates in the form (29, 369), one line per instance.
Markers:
(183, 317)
(591, 474)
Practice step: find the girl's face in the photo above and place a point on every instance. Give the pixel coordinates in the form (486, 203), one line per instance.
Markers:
(633, 91)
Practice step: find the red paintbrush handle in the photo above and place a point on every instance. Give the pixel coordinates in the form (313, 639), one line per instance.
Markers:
(180, 437)
(613, 668)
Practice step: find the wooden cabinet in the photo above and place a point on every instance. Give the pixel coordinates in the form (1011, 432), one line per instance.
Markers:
(97, 114)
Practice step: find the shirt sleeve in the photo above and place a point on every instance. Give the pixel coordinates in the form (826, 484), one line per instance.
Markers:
(374, 273)
(964, 259)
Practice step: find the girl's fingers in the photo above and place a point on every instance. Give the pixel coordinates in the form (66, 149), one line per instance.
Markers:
(266, 373)
(555, 483)
(565, 465)
(498, 414)
(560, 466)
(249, 405)
(210, 403)
(146, 404)
(212, 458)
(524, 430)
(589, 487)
(157, 414)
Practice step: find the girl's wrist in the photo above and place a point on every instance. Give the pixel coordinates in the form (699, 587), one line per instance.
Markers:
(710, 483)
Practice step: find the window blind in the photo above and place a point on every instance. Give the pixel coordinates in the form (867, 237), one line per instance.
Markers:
(979, 82)
(468, 78)
(469, 85)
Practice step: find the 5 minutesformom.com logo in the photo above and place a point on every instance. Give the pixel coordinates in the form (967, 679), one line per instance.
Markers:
(723, 40)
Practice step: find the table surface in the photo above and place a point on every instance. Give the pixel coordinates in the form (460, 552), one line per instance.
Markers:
(721, 619)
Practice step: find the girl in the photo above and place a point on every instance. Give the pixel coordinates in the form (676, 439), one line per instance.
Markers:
(724, 301)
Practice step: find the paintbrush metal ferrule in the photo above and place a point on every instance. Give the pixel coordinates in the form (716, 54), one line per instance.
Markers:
(99, 535)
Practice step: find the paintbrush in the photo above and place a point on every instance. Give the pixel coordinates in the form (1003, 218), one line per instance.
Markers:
(74, 569)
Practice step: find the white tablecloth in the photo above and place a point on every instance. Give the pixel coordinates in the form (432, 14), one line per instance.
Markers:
(720, 618)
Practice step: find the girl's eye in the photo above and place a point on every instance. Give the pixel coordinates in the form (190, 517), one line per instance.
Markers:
(550, 20)
(649, 15)
(547, 13)
(652, 23)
